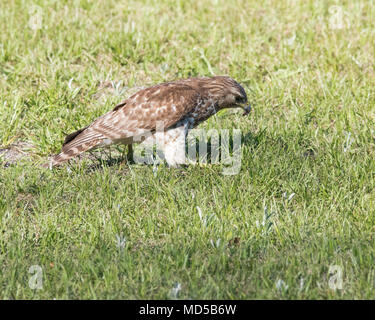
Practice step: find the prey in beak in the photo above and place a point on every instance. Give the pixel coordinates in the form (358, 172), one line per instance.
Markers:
(247, 110)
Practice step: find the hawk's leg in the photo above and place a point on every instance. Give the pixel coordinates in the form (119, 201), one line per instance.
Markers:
(127, 157)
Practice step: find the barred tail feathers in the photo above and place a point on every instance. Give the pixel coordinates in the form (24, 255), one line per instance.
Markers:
(75, 144)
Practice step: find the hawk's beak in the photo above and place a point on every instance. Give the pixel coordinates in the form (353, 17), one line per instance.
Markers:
(247, 109)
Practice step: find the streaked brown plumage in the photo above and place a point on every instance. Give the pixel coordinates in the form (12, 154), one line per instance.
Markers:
(176, 106)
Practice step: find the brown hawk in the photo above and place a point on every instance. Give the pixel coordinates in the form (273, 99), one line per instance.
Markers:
(175, 107)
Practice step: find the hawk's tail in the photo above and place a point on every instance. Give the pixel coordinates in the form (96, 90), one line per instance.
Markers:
(74, 144)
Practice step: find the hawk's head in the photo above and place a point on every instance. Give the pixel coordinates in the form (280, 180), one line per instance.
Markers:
(228, 93)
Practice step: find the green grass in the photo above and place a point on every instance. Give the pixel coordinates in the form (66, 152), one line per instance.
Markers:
(308, 94)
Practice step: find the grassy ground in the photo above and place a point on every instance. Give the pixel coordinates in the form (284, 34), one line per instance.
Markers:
(303, 202)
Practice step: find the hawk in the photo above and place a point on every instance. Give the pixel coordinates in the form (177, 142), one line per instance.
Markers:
(175, 107)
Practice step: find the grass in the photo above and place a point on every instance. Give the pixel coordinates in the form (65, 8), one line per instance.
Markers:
(122, 232)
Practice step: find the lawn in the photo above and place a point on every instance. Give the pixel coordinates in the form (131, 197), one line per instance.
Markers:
(297, 221)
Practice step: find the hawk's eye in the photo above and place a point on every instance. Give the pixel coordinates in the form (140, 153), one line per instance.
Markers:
(239, 99)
